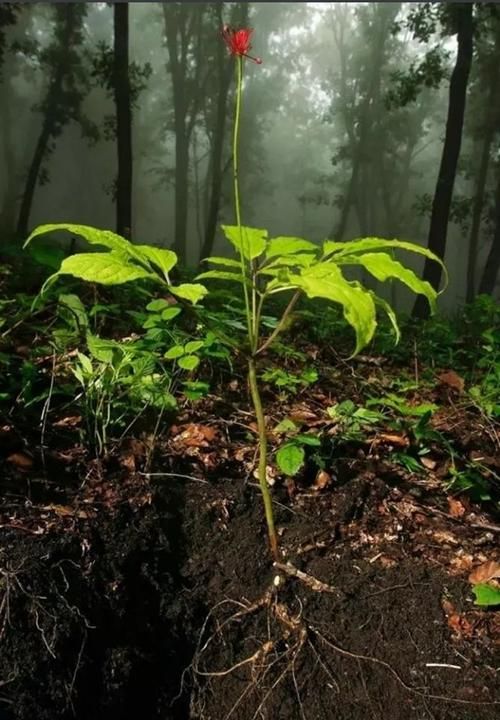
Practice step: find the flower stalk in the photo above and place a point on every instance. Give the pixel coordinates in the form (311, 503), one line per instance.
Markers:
(238, 42)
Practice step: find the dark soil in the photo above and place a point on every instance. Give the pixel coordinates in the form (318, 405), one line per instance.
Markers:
(135, 600)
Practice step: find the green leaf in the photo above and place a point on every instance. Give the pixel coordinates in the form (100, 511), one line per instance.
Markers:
(85, 362)
(176, 351)
(193, 346)
(325, 280)
(102, 349)
(221, 275)
(189, 291)
(76, 308)
(287, 245)
(384, 305)
(290, 458)
(49, 255)
(157, 305)
(92, 235)
(285, 425)
(189, 362)
(102, 268)
(308, 440)
(170, 313)
(251, 242)
(161, 258)
(486, 595)
(228, 262)
(330, 247)
(298, 260)
(384, 267)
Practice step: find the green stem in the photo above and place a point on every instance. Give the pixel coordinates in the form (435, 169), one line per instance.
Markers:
(261, 427)
(239, 86)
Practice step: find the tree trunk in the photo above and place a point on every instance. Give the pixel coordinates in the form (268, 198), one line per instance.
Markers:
(123, 119)
(451, 150)
(492, 265)
(53, 100)
(482, 175)
(32, 178)
(225, 74)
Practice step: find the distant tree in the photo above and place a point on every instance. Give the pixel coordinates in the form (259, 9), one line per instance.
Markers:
(460, 19)
(123, 102)
(66, 88)
(492, 264)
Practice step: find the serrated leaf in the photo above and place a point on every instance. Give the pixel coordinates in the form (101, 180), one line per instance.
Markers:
(486, 595)
(76, 307)
(337, 249)
(189, 362)
(161, 258)
(228, 262)
(384, 267)
(326, 280)
(193, 346)
(283, 245)
(189, 291)
(251, 242)
(92, 235)
(102, 268)
(290, 458)
(176, 351)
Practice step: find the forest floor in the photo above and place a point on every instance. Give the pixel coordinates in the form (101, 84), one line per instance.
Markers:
(140, 585)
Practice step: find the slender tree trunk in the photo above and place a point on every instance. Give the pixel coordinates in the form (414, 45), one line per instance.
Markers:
(32, 178)
(123, 119)
(49, 123)
(225, 74)
(492, 265)
(479, 194)
(451, 150)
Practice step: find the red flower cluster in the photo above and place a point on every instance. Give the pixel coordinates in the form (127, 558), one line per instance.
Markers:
(238, 42)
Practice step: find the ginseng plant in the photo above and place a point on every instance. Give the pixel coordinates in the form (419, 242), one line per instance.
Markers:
(296, 266)
(264, 267)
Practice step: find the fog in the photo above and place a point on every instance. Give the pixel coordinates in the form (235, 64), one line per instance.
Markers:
(342, 136)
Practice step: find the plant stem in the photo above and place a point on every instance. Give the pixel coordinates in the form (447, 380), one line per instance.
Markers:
(261, 427)
(239, 85)
(281, 323)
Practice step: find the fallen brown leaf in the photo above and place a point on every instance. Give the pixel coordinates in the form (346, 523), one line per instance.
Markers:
(489, 570)
(452, 380)
(460, 626)
(322, 480)
(456, 508)
(20, 460)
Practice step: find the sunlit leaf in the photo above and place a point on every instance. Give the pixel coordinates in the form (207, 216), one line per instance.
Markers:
(251, 242)
(161, 258)
(384, 305)
(286, 245)
(176, 351)
(384, 267)
(188, 362)
(189, 291)
(221, 275)
(193, 346)
(102, 268)
(337, 249)
(228, 262)
(325, 280)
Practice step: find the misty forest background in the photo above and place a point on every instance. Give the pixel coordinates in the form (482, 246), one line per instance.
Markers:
(365, 119)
